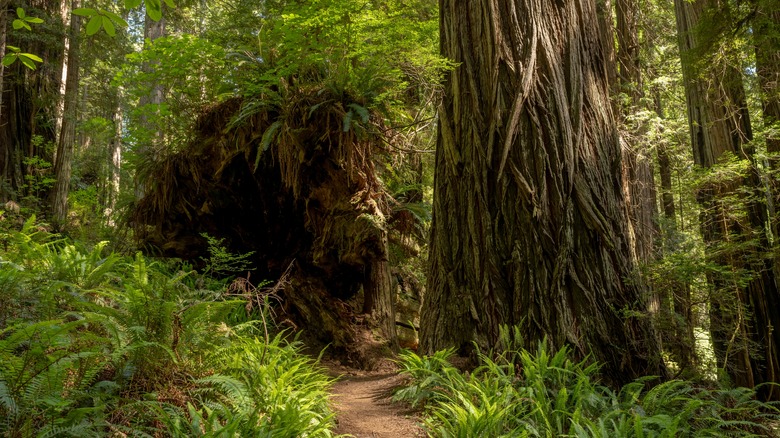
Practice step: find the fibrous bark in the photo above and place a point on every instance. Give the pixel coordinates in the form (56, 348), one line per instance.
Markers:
(312, 201)
(529, 223)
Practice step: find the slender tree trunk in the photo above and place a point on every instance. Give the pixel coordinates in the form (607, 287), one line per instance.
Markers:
(637, 164)
(154, 135)
(152, 31)
(719, 122)
(3, 42)
(63, 68)
(529, 223)
(115, 161)
(67, 139)
(677, 297)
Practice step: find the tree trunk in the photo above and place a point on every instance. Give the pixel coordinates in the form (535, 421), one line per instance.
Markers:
(379, 298)
(152, 144)
(677, 293)
(152, 31)
(63, 68)
(767, 38)
(719, 123)
(636, 163)
(529, 223)
(115, 161)
(3, 42)
(766, 29)
(65, 145)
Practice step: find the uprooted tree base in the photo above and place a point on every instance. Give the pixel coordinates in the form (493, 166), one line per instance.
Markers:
(297, 188)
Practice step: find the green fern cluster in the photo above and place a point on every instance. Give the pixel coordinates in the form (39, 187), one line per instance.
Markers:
(94, 344)
(518, 393)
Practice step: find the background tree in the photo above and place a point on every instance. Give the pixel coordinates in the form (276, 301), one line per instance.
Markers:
(742, 315)
(637, 163)
(67, 137)
(529, 226)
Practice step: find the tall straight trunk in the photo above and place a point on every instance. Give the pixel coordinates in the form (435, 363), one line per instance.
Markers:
(63, 68)
(115, 160)
(529, 225)
(3, 42)
(638, 167)
(719, 123)
(154, 136)
(67, 138)
(679, 325)
(766, 31)
(152, 31)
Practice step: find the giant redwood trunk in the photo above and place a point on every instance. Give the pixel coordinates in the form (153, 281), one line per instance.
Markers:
(767, 47)
(529, 223)
(743, 315)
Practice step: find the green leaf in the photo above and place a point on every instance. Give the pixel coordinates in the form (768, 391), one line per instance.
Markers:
(115, 19)
(109, 26)
(84, 12)
(265, 142)
(130, 4)
(154, 9)
(269, 135)
(20, 13)
(13, 49)
(94, 24)
(33, 20)
(18, 24)
(360, 110)
(348, 120)
(170, 4)
(27, 62)
(9, 59)
(35, 58)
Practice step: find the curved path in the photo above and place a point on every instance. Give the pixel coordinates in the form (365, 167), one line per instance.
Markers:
(364, 409)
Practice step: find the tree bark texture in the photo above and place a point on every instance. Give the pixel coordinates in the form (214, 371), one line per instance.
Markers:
(67, 138)
(379, 298)
(529, 220)
(637, 165)
(767, 46)
(767, 34)
(745, 347)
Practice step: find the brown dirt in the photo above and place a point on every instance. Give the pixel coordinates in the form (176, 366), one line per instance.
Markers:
(363, 405)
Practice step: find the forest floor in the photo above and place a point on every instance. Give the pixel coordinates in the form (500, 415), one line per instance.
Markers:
(363, 405)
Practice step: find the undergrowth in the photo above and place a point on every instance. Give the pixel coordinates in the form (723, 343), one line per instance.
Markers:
(519, 393)
(94, 343)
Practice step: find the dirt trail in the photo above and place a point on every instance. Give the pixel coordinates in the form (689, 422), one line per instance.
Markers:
(363, 405)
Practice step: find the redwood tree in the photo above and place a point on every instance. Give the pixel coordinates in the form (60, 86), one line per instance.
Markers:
(529, 223)
(743, 315)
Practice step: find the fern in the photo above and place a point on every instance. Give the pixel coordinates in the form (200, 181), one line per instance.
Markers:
(515, 392)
